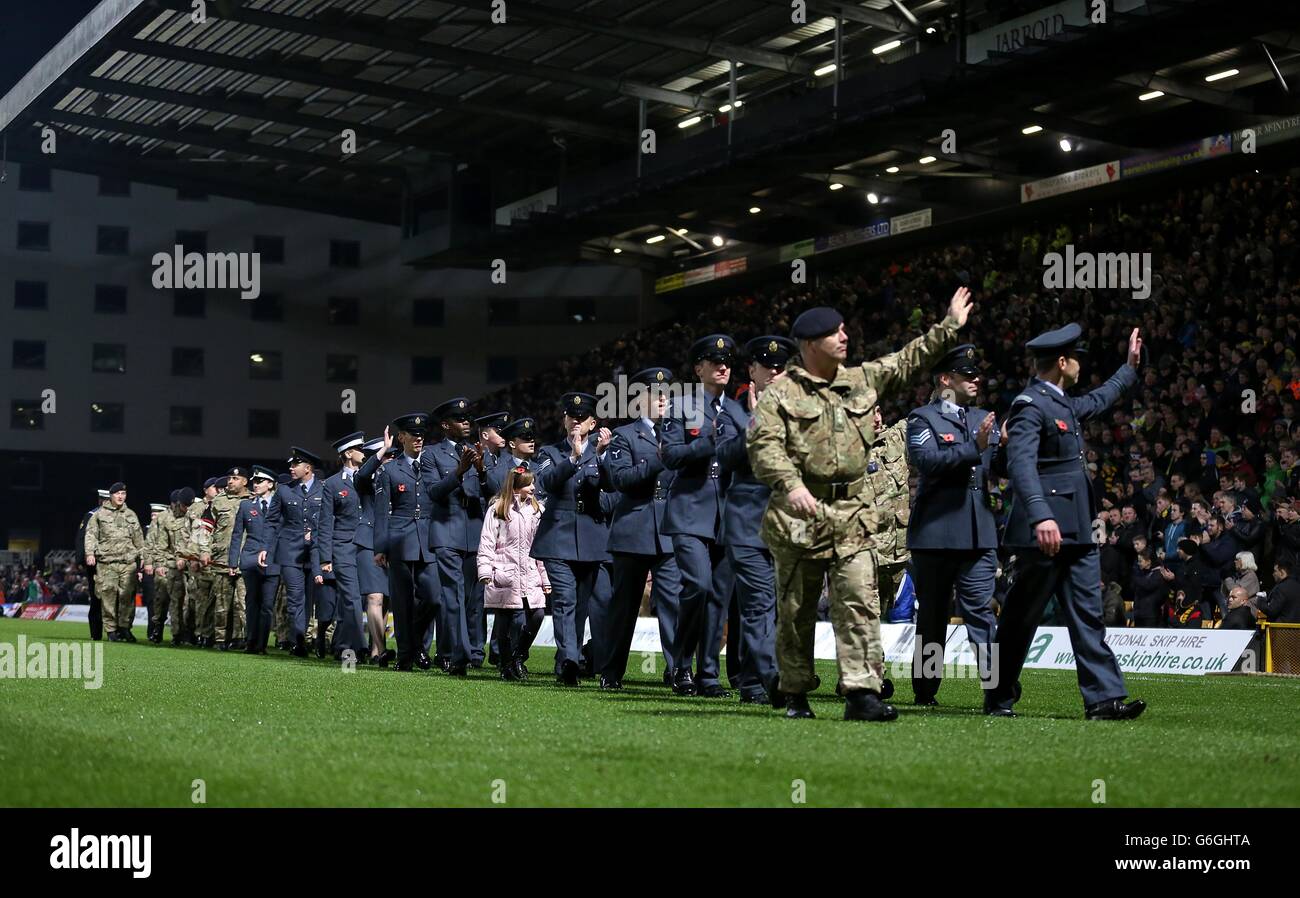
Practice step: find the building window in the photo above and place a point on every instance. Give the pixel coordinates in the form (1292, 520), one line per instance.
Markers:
(341, 369)
(270, 249)
(266, 365)
(29, 355)
(345, 254)
(25, 414)
(110, 299)
(112, 240)
(503, 312)
(191, 193)
(339, 424)
(31, 294)
(267, 307)
(428, 313)
(502, 369)
(344, 310)
(108, 358)
(426, 369)
(189, 303)
(264, 422)
(107, 417)
(109, 186)
(34, 235)
(186, 421)
(193, 241)
(35, 178)
(581, 311)
(187, 361)
(26, 474)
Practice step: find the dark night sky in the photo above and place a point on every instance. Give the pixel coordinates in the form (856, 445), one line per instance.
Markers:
(29, 29)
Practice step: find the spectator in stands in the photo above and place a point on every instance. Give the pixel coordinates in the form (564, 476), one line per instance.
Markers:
(1240, 615)
(1282, 606)
(1150, 591)
(1245, 575)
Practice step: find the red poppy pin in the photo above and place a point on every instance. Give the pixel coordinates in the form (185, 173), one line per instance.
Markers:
(946, 437)
(1061, 425)
(401, 487)
(694, 431)
(252, 512)
(343, 493)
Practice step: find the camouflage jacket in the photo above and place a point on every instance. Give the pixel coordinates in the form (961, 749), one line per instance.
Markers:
(114, 535)
(198, 539)
(161, 541)
(225, 508)
(810, 432)
(890, 492)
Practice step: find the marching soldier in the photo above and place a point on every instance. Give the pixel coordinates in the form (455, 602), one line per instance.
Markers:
(281, 612)
(747, 554)
(952, 534)
(251, 551)
(694, 516)
(229, 592)
(294, 516)
(114, 546)
(166, 575)
(1050, 527)
(455, 472)
(402, 546)
(203, 523)
(95, 615)
(182, 610)
(810, 443)
(372, 580)
(146, 566)
(153, 581)
(637, 542)
(336, 553)
(572, 539)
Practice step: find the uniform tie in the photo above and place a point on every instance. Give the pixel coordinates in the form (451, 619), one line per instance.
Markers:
(263, 504)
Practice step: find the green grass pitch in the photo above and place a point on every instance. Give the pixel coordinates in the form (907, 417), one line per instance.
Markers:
(275, 731)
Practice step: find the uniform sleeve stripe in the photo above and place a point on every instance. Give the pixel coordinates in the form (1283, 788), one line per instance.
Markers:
(919, 439)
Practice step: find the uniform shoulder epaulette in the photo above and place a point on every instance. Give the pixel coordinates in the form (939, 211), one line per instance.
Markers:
(1022, 398)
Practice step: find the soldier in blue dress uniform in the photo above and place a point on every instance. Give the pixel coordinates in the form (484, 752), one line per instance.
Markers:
(336, 551)
(252, 551)
(573, 536)
(294, 516)
(402, 545)
(952, 534)
(637, 543)
(1050, 528)
(688, 443)
(372, 581)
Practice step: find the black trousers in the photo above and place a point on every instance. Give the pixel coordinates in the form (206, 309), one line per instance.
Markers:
(96, 610)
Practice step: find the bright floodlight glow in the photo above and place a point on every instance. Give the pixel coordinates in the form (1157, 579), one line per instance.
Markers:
(688, 122)
(718, 241)
(824, 70)
(657, 238)
(1031, 129)
(1151, 95)
(893, 170)
(1219, 76)
(926, 160)
(872, 198)
(886, 47)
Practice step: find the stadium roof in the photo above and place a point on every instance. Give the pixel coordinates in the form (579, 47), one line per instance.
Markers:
(253, 102)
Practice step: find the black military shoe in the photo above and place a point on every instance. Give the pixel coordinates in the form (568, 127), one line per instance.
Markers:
(886, 689)
(926, 702)
(508, 672)
(299, 650)
(683, 682)
(238, 644)
(754, 698)
(404, 664)
(518, 669)
(424, 662)
(609, 684)
(113, 637)
(668, 677)
(223, 646)
(444, 663)
(997, 711)
(477, 665)
(796, 707)
(156, 638)
(128, 636)
(1116, 709)
(713, 690)
(493, 659)
(568, 675)
(457, 670)
(863, 704)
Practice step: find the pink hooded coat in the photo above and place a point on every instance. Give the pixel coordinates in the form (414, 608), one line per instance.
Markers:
(504, 562)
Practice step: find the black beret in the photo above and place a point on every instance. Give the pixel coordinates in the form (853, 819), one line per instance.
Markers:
(116, 487)
(214, 481)
(239, 471)
(185, 495)
(816, 323)
(174, 497)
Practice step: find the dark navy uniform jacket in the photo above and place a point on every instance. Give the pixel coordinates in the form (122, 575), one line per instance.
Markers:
(254, 528)
(402, 511)
(452, 497)
(951, 508)
(81, 535)
(696, 497)
(742, 514)
(1045, 459)
(366, 481)
(295, 521)
(495, 474)
(575, 521)
(633, 469)
(340, 515)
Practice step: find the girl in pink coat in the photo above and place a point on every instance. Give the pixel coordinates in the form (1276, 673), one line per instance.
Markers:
(514, 584)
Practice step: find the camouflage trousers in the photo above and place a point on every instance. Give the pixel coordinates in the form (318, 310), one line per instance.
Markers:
(889, 576)
(205, 597)
(281, 615)
(167, 582)
(228, 613)
(115, 583)
(855, 616)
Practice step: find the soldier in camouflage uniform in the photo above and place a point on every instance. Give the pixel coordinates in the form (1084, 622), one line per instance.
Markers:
(228, 589)
(203, 523)
(114, 546)
(810, 440)
(181, 595)
(159, 567)
(888, 473)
